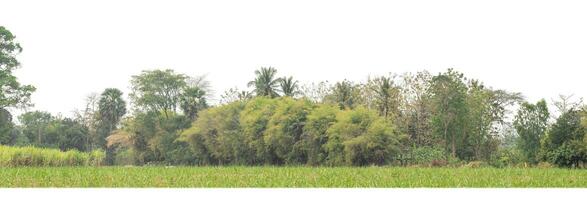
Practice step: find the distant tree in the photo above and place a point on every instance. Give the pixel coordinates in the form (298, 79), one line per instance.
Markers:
(288, 86)
(193, 100)
(265, 83)
(316, 92)
(157, 91)
(234, 94)
(35, 125)
(345, 94)
(449, 105)
(564, 143)
(531, 123)
(111, 108)
(283, 136)
(418, 108)
(315, 134)
(6, 127)
(387, 97)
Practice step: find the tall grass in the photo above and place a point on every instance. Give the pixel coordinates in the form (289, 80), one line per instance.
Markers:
(40, 157)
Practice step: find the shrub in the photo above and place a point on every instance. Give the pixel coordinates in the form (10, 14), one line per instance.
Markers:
(426, 155)
(40, 157)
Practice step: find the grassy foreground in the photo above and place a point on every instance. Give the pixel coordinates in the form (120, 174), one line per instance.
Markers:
(288, 177)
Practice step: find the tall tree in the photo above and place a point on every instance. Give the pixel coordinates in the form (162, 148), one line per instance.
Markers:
(111, 108)
(192, 101)
(34, 126)
(531, 123)
(345, 94)
(157, 91)
(418, 107)
(449, 102)
(387, 97)
(564, 144)
(265, 83)
(288, 86)
(12, 93)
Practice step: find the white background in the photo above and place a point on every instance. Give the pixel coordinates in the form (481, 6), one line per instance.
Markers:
(73, 48)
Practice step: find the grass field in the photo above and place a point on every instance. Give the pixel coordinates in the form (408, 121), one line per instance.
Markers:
(288, 177)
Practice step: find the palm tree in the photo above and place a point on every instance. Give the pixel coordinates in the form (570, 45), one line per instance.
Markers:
(344, 94)
(289, 87)
(192, 101)
(111, 108)
(265, 83)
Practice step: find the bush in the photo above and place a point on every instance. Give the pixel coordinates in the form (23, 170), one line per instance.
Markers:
(426, 155)
(39, 157)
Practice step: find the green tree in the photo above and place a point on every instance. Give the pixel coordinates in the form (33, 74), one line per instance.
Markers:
(12, 93)
(361, 137)
(216, 137)
(315, 132)
(265, 83)
(192, 101)
(288, 86)
(418, 108)
(284, 131)
(387, 97)
(34, 126)
(531, 123)
(564, 143)
(158, 91)
(253, 120)
(6, 127)
(449, 108)
(345, 94)
(111, 108)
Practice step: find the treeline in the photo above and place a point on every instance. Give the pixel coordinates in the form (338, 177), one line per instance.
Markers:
(408, 119)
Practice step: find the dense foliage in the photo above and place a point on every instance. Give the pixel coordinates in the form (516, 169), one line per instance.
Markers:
(418, 118)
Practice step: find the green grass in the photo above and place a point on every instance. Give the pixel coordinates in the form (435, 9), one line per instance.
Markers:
(288, 177)
(42, 157)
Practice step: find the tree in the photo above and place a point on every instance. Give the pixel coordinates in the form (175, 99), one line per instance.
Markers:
(315, 132)
(265, 83)
(157, 91)
(111, 108)
(360, 137)
(284, 131)
(387, 97)
(316, 92)
(34, 126)
(288, 86)
(192, 101)
(449, 105)
(5, 127)
(12, 93)
(531, 123)
(234, 94)
(486, 111)
(345, 94)
(564, 143)
(418, 108)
